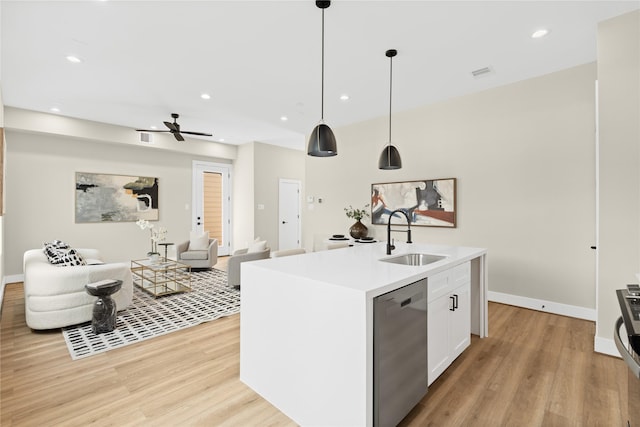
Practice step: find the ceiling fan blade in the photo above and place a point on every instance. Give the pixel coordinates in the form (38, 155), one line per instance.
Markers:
(171, 126)
(151, 130)
(196, 133)
(178, 136)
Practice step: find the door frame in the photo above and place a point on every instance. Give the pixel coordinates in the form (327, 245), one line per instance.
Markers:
(226, 169)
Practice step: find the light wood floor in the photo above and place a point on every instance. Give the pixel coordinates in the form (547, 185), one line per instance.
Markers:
(536, 369)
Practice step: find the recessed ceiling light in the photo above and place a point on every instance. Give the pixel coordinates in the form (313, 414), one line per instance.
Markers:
(153, 127)
(344, 97)
(205, 96)
(539, 33)
(74, 59)
(54, 109)
(221, 139)
(284, 118)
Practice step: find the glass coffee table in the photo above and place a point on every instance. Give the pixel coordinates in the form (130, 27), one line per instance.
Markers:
(164, 277)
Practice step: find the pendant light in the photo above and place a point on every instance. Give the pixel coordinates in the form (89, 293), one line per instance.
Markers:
(390, 157)
(322, 142)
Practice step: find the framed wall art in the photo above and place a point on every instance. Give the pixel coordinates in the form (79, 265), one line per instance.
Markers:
(115, 198)
(430, 203)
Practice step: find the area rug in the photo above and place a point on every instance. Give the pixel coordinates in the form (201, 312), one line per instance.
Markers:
(149, 317)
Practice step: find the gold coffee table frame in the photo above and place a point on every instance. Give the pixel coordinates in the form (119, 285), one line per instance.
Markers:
(165, 277)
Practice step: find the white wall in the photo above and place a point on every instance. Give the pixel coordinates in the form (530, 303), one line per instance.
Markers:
(243, 197)
(619, 126)
(41, 195)
(523, 156)
(271, 164)
(263, 165)
(46, 150)
(53, 124)
(2, 281)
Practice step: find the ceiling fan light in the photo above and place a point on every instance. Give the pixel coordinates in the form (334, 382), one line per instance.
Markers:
(390, 158)
(322, 142)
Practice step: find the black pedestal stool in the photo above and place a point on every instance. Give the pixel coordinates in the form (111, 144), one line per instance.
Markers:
(104, 309)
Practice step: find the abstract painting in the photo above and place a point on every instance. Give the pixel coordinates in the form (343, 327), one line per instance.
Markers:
(430, 203)
(115, 198)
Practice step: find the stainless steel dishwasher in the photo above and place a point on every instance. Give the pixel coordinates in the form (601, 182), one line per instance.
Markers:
(399, 352)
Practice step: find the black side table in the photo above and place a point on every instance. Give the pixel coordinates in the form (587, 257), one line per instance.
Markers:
(165, 248)
(104, 309)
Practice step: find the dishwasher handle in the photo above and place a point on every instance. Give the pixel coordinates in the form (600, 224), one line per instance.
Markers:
(626, 355)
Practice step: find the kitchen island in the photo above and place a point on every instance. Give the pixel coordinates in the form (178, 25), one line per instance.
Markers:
(306, 331)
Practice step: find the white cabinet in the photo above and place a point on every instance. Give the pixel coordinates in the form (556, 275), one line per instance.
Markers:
(448, 317)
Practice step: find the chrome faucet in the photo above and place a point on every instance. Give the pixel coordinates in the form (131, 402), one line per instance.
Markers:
(391, 246)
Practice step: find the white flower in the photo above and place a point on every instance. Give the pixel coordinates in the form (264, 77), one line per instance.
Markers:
(159, 234)
(143, 224)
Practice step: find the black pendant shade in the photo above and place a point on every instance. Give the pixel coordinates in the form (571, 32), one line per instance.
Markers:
(322, 142)
(390, 156)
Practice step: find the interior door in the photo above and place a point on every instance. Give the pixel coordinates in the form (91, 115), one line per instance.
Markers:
(211, 202)
(289, 229)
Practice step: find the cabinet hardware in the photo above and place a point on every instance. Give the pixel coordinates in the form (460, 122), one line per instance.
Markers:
(453, 304)
(455, 301)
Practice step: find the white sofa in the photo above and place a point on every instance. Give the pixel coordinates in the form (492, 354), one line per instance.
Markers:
(55, 297)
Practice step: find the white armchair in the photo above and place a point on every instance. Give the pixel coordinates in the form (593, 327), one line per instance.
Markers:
(288, 252)
(198, 258)
(236, 260)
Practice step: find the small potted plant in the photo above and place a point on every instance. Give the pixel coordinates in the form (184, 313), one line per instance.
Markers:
(357, 230)
(157, 235)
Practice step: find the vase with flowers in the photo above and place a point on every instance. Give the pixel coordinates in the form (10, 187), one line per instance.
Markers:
(357, 230)
(157, 235)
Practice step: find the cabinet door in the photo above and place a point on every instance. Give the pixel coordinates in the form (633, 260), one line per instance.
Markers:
(460, 318)
(438, 354)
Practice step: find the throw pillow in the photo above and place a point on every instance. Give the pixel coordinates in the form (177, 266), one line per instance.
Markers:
(59, 244)
(256, 240)
(199, 243)
(70, 258)
(60, 254)
(257, 246)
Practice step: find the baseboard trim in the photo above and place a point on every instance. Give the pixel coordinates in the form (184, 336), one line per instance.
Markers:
(542, 305)
(605, 346)
(8, 279)
(14, 278)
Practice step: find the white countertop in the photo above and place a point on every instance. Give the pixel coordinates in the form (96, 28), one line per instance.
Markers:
(359, 268)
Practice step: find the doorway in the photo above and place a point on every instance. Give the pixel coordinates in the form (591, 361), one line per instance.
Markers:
(289, 228)
(211, 201)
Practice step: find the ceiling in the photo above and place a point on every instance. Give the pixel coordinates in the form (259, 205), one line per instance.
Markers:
(260, 60)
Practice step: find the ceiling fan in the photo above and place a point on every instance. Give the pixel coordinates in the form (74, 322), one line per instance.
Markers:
(174, 128)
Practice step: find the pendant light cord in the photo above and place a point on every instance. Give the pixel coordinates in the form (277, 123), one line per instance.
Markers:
(322, 94)
(390, 93)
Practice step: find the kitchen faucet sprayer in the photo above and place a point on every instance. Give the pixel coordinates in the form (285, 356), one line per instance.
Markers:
(391, 246)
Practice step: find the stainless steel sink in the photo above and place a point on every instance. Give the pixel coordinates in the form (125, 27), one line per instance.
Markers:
(414, 259)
